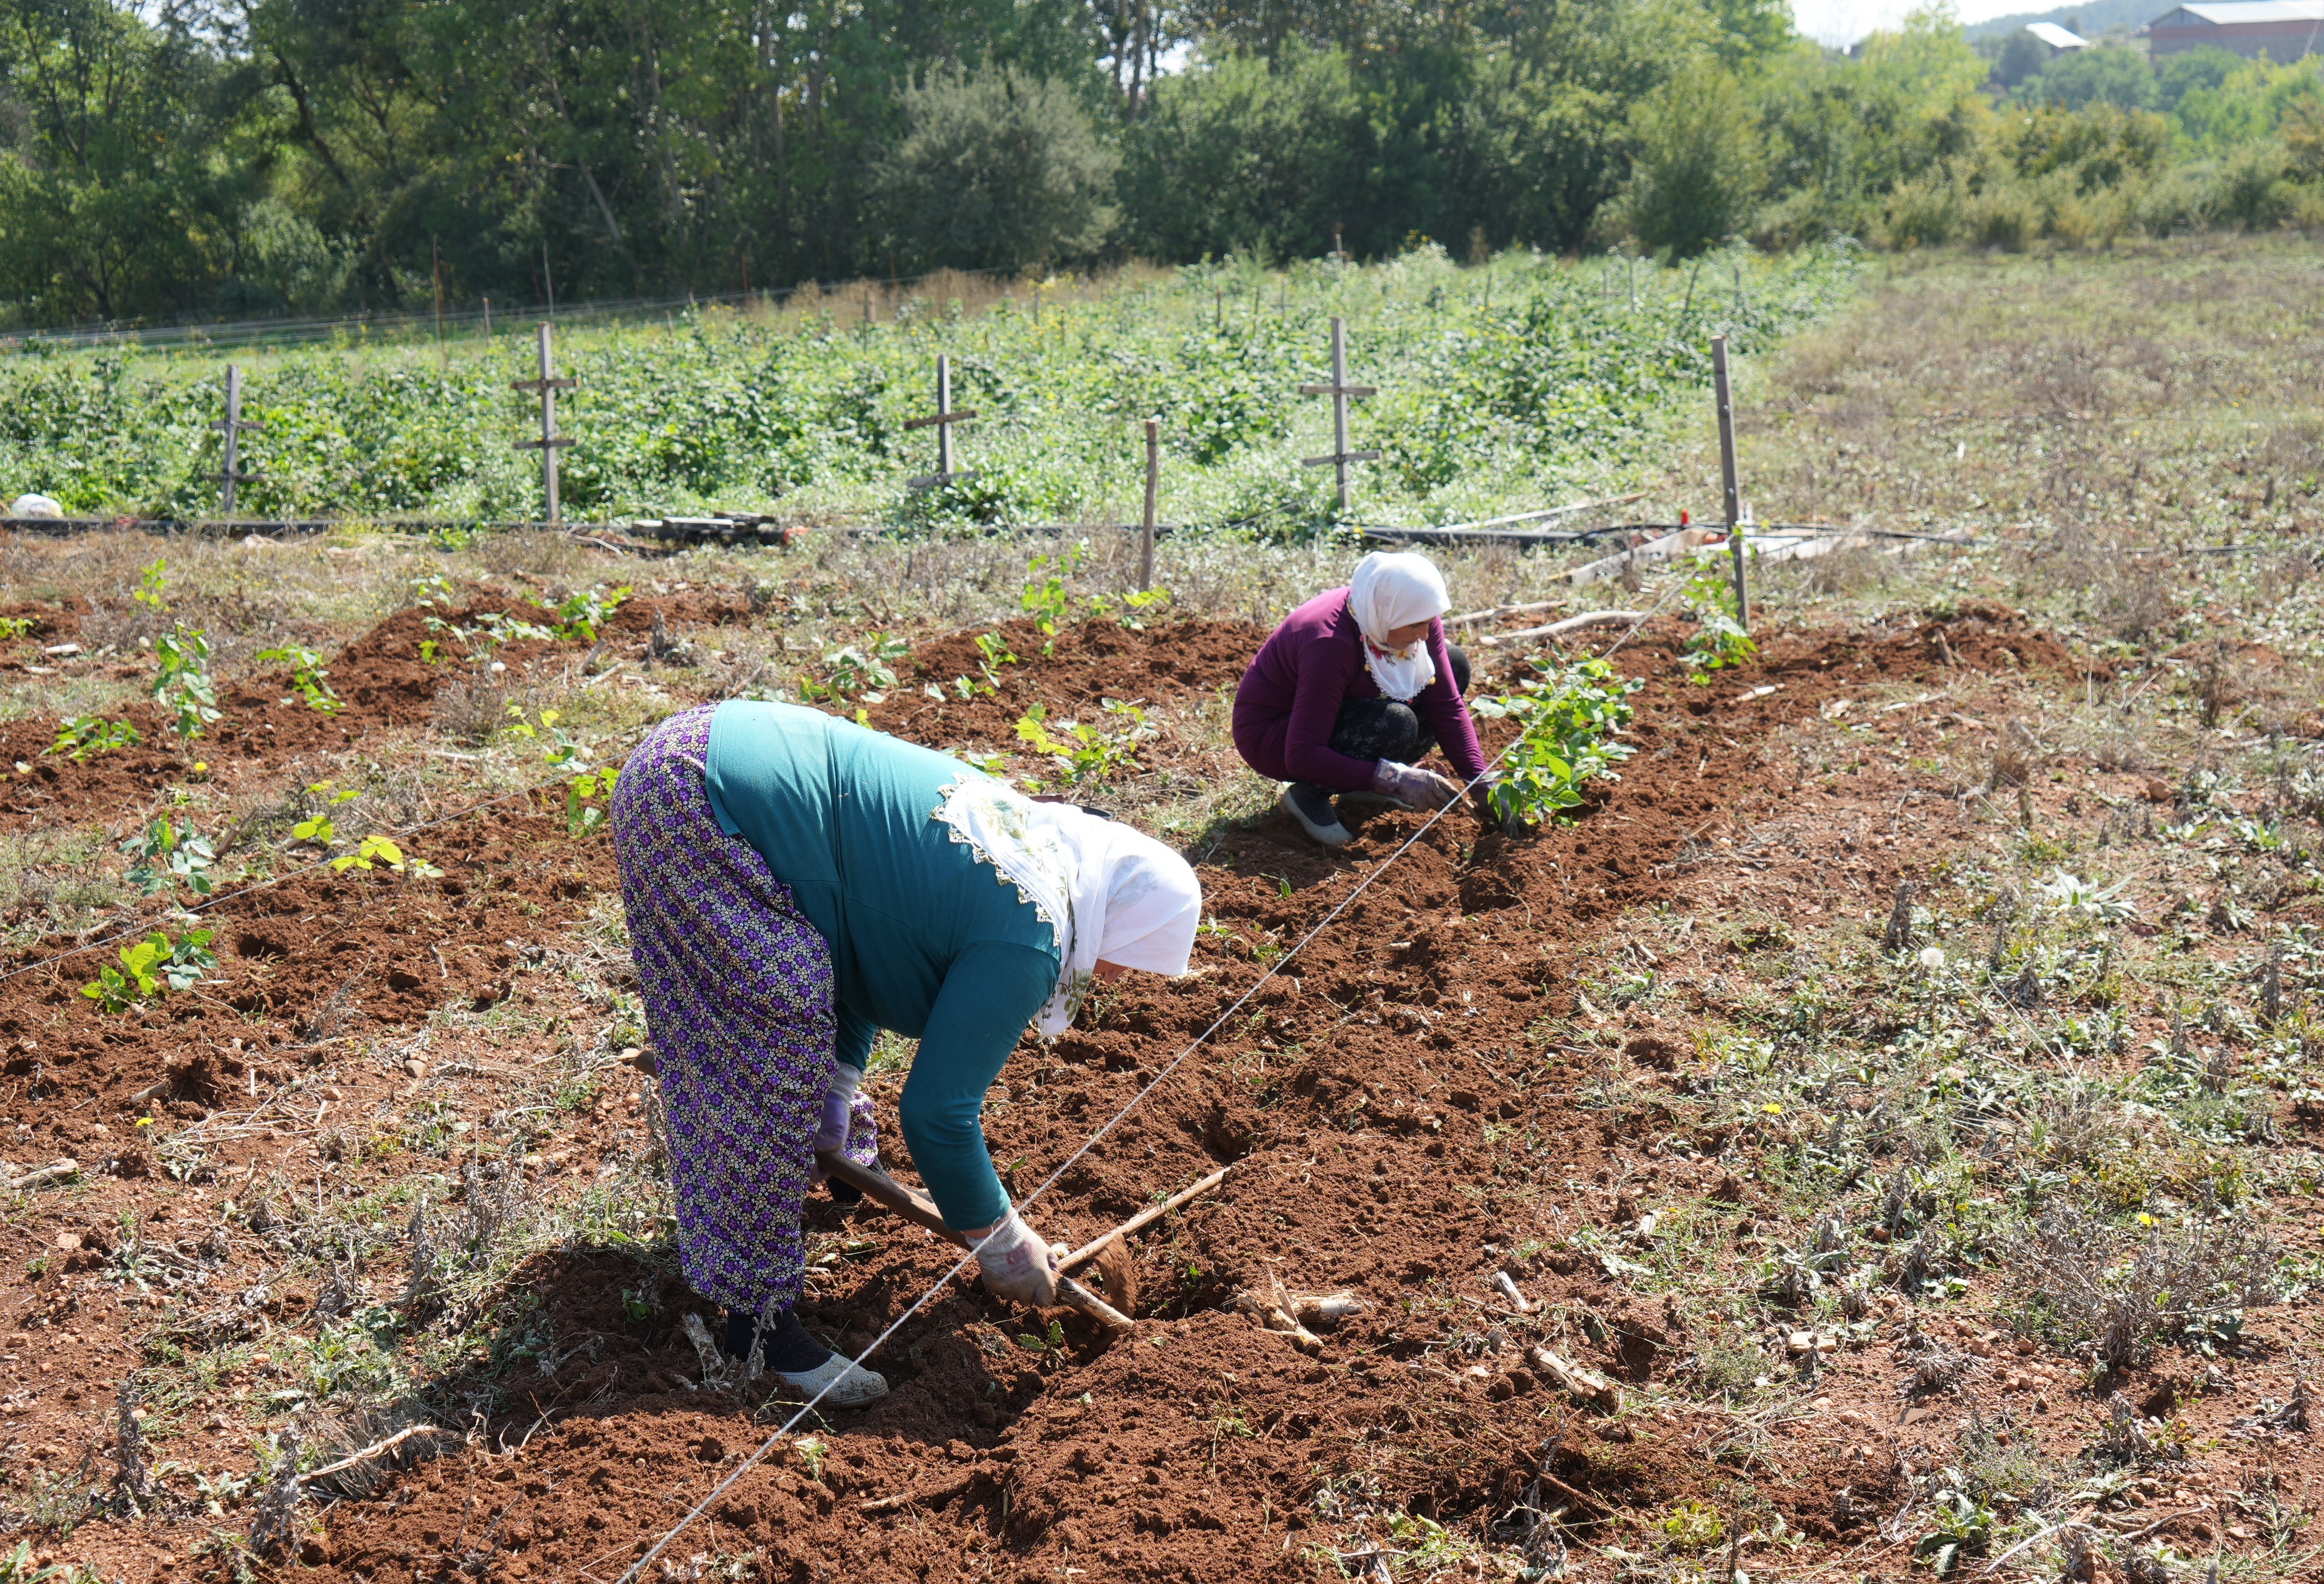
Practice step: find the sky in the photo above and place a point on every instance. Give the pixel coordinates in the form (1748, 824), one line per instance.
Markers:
(1843, 22)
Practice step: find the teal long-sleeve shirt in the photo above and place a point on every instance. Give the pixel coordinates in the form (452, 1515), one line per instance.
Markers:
(926, 938)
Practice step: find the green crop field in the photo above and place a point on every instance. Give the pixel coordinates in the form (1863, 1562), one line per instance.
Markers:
(1516, 384)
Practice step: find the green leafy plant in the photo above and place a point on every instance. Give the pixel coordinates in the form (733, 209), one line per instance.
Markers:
(582, 815)
(14, 627)
(317, 827)
(1135, 606)
(1085, 752)
(503, 629)
(153, 584)
(183, 685)
(307, 676)
(1570, 715)
(1044, 598)
(1720, 641)
(169, 854)
(582, 615)
(373, 852)
(995, 652)
(858, 667)
(1964, 1526)
(154, 967)
(85, 737)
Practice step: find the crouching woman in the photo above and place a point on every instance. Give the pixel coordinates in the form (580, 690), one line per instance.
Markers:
(1353, 690)
(795, 883)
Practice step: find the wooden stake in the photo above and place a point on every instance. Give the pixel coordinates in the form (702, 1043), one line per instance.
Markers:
(877, 1185)
(550, 442)
(1733, 490)
(1340, 390)
(232, 426)
(943, 421)
(1153, 486)
(1144, 1218)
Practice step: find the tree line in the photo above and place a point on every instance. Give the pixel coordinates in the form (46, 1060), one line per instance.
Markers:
(188, 158)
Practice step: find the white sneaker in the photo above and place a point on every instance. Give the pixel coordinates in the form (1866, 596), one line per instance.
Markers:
(856, 1386)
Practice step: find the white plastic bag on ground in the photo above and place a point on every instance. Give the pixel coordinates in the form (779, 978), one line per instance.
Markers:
(35, 506)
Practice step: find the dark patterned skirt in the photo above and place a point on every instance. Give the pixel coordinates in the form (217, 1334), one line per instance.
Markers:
(737, 987)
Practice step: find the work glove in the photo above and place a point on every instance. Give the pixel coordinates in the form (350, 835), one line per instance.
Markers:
(839, 1126)
(837, 1117)
(1016, 1263)
(1413, 787)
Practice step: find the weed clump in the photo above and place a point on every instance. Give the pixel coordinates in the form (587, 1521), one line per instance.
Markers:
(2115, 1292)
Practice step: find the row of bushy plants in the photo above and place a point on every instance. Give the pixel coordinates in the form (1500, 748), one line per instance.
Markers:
(1500, 387)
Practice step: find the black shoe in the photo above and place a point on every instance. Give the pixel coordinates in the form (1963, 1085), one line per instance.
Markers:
(1311, 805)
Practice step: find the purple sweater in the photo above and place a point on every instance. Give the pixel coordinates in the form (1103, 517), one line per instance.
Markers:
(1290, 698)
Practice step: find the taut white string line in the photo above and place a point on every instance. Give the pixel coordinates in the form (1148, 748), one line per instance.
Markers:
(960, 1264)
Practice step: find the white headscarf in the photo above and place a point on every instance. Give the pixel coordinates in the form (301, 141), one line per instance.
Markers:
(1112, 894)
(1391, 590)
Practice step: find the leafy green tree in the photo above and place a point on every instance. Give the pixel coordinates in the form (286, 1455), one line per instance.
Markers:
(2105, 74)
(120, 197)
(2021, 56)
(1697, 175)
(996, 170)
(2207, 66)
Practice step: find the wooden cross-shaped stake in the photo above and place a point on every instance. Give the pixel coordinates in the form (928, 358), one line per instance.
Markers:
(546, 387)
(232, 425)
(1340, 390)
(943, 420)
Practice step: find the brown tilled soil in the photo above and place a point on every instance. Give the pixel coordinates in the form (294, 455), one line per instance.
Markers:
(1406, 1097)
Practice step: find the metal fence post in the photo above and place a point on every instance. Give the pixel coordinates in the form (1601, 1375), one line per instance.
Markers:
(1733, 489)
(1153, 484)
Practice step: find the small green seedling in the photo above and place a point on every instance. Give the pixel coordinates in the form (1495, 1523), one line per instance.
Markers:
(183, 684)
(153, 584)
(1085, 752)
(372, 852)
(14, 627)
(168, 853)
(1571, 715)
(306, 676)
(85, 737)
(154, 967)
(582, 615)
(581, 814)
(1720, 641)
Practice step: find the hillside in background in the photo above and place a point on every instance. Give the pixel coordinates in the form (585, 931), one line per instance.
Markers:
(2089, 20)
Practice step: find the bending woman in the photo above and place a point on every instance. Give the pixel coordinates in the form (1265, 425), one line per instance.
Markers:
(794, 883)
(1355, 687)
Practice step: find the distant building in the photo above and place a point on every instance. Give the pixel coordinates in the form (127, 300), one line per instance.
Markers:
(2282, 30)
(2059, 40)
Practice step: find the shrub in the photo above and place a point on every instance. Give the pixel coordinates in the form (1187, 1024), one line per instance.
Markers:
(1570, 715)
(1699, 166)
(998, 170)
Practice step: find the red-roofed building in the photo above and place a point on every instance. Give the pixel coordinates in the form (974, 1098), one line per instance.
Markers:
(2281, 30)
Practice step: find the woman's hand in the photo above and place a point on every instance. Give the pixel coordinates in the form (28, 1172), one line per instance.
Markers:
(1016, 1263)
(1416, 787)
